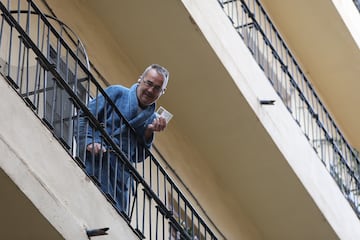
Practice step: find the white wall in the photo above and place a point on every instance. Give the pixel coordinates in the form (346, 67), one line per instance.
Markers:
(49, 177)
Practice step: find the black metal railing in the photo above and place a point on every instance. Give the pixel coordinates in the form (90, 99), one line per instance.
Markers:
(50, 72)
(357, 4)
(281, 68)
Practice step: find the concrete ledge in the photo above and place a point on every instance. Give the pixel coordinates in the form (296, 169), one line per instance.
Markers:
(49, 177)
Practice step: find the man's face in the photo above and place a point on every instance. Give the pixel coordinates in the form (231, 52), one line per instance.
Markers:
(150, 88)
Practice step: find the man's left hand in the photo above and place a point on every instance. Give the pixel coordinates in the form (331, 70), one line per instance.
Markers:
(158, 125)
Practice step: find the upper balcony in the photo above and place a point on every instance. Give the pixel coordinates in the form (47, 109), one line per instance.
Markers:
(248, 167)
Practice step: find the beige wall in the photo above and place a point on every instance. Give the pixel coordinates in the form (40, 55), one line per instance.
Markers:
(103, 50)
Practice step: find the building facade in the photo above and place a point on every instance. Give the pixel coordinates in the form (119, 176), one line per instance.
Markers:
(264, 139)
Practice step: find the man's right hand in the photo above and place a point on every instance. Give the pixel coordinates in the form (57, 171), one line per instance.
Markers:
(95, 148)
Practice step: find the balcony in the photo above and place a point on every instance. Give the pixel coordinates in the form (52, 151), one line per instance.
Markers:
(47, 65)
(249, 174)
(296, 91)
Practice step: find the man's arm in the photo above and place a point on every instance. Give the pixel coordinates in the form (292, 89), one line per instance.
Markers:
(97, 108)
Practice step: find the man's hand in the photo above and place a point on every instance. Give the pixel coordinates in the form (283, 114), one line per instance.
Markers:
(95, 148)
(158, 125)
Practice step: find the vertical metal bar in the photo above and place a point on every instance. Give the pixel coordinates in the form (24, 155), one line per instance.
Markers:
(43, 36)
(121, 134)
(165, 190)
(101, 158)
(45, 93)
(137, 209)
(163, 226)
(28, 18)
(47, 71)
(67, 68)
(150, 175)
(143, 214)
(27, 71)
(271, 58)
(143, 169)
(185, 215)
(61, 112)
(84, 154)
(72, 113)
(76, 78)
(37, 70)
(199, 226)
(76, 135)
(1, 30)
(257, 32)
(192, 225)
(298, 101)
(172, 198)
(77, 49)
(157, 180)
(18, 63)
(170, 231)
(36, 98)
(18, 10)
(128, 151)
(150, 217)
(178, 206)
(157, 224)
(53, 101)
(115, 181)
(137, 156)
(205, 230)
(38, 32)
(58, 51)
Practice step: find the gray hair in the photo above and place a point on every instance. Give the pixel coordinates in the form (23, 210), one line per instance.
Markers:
(160, 70)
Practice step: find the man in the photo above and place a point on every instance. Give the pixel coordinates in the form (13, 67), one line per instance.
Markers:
(137, 105)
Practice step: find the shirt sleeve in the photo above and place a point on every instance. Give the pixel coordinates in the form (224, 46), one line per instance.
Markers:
(98, 106)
